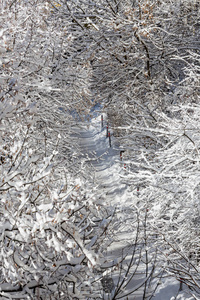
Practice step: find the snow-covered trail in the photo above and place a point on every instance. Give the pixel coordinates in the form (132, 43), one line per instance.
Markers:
(102, 161)
(104, 169)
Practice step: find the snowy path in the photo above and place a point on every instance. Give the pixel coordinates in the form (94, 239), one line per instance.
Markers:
(102, 161)
(104, 168)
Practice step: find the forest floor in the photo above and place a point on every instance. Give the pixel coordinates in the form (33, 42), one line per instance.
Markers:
(106, 173)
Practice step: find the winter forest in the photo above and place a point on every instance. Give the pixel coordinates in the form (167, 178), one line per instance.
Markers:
(100, 149)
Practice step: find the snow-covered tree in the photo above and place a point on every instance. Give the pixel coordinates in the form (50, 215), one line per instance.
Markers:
(51, 228)
(140, 59)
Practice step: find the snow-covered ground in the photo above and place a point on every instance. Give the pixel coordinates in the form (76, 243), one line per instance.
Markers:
(105, 170)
